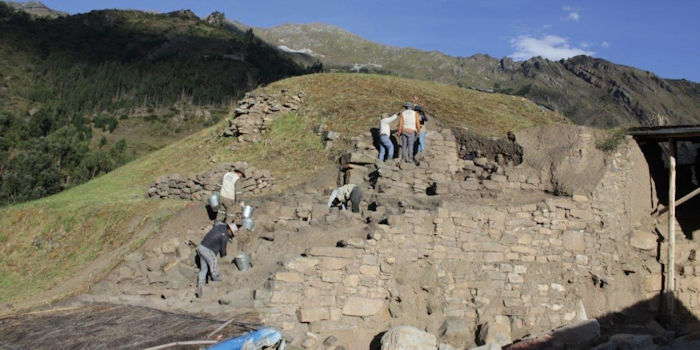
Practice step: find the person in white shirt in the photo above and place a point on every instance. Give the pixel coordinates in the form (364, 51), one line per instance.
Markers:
(343, 194)
(385, 144)
(228, 191)
(409, 125)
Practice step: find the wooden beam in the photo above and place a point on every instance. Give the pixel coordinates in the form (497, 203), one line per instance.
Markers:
(670, 265)
(685, 198)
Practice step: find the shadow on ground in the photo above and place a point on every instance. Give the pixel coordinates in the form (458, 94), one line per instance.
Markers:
(643, 325)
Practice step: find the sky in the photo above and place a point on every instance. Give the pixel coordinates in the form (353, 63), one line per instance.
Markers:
(658, 36)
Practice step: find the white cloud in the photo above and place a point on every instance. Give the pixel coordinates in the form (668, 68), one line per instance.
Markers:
(567, 8)
(552, 47)
(605, 44)
(574, 16)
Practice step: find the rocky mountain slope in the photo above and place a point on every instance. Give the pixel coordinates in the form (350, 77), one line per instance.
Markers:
(590, 91)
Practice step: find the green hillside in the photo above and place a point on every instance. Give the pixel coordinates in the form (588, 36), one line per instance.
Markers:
(81, 95)
(46, 242)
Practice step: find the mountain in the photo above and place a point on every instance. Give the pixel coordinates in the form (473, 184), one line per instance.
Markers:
(36, 9)
(81, 95)
(590, 91)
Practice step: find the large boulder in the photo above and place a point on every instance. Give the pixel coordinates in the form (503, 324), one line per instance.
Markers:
(495, 332)
(408, 338)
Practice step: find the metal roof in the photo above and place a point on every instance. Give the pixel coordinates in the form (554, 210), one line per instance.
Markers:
(676, 132)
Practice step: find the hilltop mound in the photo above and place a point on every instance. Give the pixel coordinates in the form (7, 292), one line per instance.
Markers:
(56, 239)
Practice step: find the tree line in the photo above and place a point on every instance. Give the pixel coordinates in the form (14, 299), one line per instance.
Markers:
(84, 70)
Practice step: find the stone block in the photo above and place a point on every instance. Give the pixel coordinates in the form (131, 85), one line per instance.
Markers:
(301, 264)
(652, 283)
(643, 240)
(359, 306)
(331, 252)
(369, 270)
(492, 257)
(407, 338)
(579, 198)
(573, 240)
(293, 277)
(334, 276)
(312, 314)
(457, 332)
(334, 263)
(496, 332)
(285, 297)
(581, 260)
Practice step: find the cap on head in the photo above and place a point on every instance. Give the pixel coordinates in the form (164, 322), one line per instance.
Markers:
(408, 105)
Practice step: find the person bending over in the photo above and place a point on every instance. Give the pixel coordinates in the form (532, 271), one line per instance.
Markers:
(213, 243)
(344, 194)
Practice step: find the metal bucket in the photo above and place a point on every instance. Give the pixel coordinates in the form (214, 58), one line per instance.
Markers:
(248, 223)
(214, 201)
(248, 211)
(242, 261)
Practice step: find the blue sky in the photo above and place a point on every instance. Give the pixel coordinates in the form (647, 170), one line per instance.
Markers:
(659, 36)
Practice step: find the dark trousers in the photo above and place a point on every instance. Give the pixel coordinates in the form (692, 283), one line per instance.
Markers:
(355, 199)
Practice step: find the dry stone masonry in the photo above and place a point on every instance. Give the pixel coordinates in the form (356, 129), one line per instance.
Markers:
(201, 186)
(257, 110)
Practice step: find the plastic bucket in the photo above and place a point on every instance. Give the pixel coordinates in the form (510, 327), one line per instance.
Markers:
(248, 211)
(242, 261)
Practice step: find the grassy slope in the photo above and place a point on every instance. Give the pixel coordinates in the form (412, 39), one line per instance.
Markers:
(44, 242)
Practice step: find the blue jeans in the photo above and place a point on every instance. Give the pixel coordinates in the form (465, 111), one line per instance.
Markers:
(385, 146)
(421, 141)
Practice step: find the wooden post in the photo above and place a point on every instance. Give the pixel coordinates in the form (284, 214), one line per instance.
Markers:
(670, 265)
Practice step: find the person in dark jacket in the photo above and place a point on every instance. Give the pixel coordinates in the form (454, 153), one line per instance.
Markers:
(421, 136)
(213, 243)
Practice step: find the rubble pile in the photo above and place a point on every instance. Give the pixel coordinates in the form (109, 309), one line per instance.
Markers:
(199, 187)
(257, 110)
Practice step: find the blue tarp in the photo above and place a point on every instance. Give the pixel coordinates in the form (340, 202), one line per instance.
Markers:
(266, 336)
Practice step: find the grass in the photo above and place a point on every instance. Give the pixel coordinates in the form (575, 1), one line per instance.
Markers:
(611, 141)
(45, 242)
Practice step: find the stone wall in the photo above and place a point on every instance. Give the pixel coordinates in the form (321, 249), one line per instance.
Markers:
(257, 110)
(540, 264)
(201, 186)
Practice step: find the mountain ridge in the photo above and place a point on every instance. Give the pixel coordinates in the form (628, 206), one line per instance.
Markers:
(589, 90)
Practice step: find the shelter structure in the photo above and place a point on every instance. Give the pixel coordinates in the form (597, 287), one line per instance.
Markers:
(679, 145)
